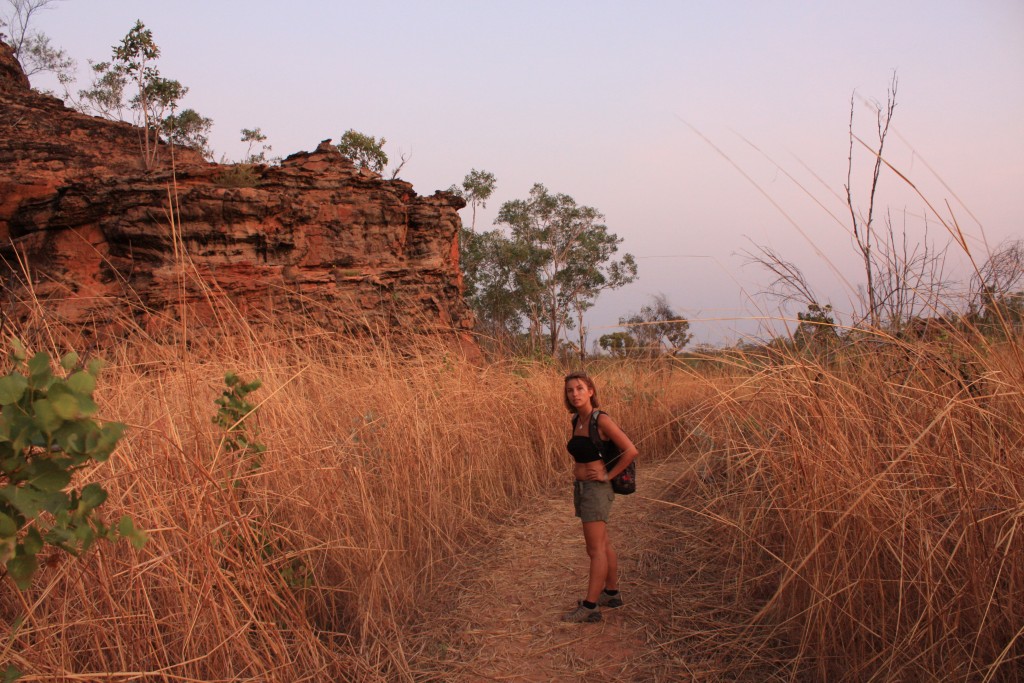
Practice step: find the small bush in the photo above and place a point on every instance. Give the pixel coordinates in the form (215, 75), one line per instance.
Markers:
(237, 175)
(46, 434)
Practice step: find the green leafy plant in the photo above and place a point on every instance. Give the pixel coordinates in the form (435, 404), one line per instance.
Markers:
(658, 328)
(234, 408)
(547, 270)
(132, 69)
(253, 154)
(365, 151)
(817, 328)
(240, 440)
(47, 433)
(477, 187)
(188, 128)
(618, 343)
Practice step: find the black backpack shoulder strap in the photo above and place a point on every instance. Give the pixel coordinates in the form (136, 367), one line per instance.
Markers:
(595, 435)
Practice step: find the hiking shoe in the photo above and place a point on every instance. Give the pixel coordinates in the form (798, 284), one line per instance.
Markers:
(582, 614)
(609, 601)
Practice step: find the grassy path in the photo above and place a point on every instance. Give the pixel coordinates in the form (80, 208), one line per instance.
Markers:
(680, 621)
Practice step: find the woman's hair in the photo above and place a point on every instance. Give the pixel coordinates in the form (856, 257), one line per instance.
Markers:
(585, 378)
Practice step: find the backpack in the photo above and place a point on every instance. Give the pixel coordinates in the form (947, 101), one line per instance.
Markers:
(624, 482)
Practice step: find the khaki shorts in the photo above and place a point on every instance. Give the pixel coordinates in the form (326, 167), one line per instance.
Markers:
(592, 500)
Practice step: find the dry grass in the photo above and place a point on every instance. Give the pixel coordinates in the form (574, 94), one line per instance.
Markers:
(875, 503)
(855, 518)
(384, 467)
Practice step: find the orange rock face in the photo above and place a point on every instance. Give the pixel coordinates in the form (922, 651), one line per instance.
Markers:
(100, 238)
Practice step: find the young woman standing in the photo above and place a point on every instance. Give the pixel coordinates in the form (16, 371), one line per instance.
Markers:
(593, 496)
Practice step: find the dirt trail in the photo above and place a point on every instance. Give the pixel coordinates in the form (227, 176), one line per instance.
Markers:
(677, 624)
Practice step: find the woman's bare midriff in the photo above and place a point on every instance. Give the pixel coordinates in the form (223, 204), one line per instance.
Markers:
(588, 471)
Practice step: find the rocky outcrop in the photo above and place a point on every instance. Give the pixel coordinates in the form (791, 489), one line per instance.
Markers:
(11, 75)
(97, 237)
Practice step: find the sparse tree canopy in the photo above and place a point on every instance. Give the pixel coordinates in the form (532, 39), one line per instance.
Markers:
(657, 327)
(154, 100)
(489, 263)
(817, 327)
(188, 129)
(255, 136)
(557, 259)
(365, 151)
(994, 302)
(1001, 273)
(617, 343)
(477, 187)
(33, 48)
(106, 96)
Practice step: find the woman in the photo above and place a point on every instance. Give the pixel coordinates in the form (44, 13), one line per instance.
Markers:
(593, 496)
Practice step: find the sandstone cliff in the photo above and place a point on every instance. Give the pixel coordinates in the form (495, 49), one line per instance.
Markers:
(96, 234)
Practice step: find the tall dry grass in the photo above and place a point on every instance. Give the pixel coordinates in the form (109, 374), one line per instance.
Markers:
(385, 468)
(874, 500)
(868, 502)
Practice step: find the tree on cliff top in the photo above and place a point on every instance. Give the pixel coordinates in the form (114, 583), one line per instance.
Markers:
(477, 187)
(367, 152)
(188, 128)
(33, 48)
(133, 65)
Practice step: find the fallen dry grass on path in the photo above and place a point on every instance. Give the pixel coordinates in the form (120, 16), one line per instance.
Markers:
(681, 621)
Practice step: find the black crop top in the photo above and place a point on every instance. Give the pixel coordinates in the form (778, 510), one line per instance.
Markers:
(582, 449)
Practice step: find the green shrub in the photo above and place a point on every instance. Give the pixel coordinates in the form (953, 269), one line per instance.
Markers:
(47, 432)
(233, 410)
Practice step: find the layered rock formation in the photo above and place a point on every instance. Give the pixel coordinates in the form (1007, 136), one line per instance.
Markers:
(99, 239)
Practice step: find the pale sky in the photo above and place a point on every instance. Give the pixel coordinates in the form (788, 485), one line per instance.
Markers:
(600, 100)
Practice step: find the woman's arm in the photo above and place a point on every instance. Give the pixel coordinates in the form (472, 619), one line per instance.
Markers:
(627, 451)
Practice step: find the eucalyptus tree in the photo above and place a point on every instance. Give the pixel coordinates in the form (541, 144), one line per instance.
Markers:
(477, 187)
(658, 327)
(188, 128)
(33, 48)
(565, 260)
(132, 70)
(256, 152)
(365, 151)
(490, 265)
(619, 344)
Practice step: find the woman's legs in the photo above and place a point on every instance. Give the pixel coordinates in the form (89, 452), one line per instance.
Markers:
(611, 581)
(604, 563)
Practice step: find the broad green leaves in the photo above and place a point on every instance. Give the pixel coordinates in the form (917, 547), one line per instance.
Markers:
(234, 416)
(12, 388)
(47, 432)
(82, 383)
(126, 528)
(48, 476)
